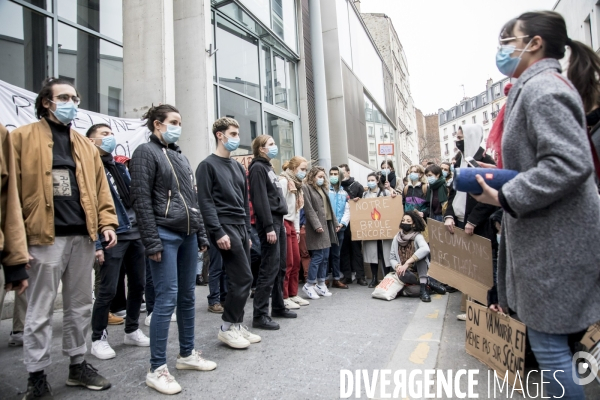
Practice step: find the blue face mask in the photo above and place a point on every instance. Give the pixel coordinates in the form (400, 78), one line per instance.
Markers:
(334, 180)
(371, 185)
(452, 168)
(431, 179)
(498, 237)
(507, 64)
(172, 134)
(273, 150)
(385, 171)
(301, 175)
(108, 144)
(320, 181)
(65, 112)
(445, 174)
(232, 144)
(413, 176)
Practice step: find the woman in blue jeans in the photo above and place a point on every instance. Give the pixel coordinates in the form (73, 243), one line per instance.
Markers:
(548, 257)
(172, 230)
(321, 231)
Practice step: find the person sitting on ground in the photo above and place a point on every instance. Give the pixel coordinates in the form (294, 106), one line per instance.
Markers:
(409, 256)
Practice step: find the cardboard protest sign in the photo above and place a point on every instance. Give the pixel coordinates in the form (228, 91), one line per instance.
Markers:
(376, 219)
(460, 260)
(244, 160)
(592, 336)
(498, 341)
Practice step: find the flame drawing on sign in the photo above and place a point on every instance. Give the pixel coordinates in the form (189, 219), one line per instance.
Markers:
(375, 215)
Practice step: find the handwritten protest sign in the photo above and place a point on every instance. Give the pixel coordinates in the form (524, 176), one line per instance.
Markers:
(244, 160)
(498, 341)
(460, 260)
(376, 219)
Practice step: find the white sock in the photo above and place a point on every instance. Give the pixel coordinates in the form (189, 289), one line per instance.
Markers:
(225, 326)
(237, 326)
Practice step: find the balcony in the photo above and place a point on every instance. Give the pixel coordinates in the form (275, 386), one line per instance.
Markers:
(371, 134)
(495, 114)
(445, 137)
(486, 121)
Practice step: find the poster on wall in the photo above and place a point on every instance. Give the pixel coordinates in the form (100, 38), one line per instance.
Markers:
(376, 219)
(17, 108)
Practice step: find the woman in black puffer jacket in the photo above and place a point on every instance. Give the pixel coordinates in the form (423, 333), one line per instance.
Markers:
(164, 199)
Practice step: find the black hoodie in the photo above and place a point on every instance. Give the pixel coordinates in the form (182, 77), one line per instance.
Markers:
(353, 188)
(265, 193)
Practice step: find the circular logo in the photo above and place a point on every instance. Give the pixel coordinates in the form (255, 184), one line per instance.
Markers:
(586, 368)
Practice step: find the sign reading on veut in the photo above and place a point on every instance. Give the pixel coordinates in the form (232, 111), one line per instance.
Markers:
(386, 149)
(460, 260)
(375, 219)
(498, 341)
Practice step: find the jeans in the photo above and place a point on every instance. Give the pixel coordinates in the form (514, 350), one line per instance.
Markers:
(272, 270)
(351, 257)
(217, 278)
(149, 288)
(553, 353)
(317, 271)
(129, 256)
(334, 256)
(439, 218)
(200, 264)
(174, 283)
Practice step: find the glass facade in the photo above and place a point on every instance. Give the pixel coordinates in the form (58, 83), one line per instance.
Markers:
(279, 16)
(255, 76)
(86, 48)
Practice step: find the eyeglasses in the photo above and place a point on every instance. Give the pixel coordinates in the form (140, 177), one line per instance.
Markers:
(65, 98)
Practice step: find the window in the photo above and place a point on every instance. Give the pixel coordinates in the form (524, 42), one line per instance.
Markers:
(371, 133)
(445, 129)
(485, 115)
(454, 113)
(484, 99)
(474, 104)
(446, 145)
(114, 101)
(246, 112)
(371, 146)
(497, 90)
(474, 119)
(454, 128)
(103, 16)
(463, 108)
(464, 122)
(282, 132)
(587, 32)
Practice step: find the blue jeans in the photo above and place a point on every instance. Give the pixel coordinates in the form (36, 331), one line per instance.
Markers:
(552, 353)
(317, 271)
(217, 278)
(334, 256)
(200, 264)
(149, 291)
(174, 284)
(438, 217)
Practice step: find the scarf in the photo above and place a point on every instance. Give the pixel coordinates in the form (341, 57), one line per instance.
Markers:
(494, 141)
(406, 245)
(440, 186)
(294, 186)
(122, 188)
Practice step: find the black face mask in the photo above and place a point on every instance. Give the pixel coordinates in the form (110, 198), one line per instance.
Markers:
(406, 227)
(593, 117)
(460, 145)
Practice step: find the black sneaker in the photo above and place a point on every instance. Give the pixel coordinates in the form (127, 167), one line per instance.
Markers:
(85, 375)
(38, 388)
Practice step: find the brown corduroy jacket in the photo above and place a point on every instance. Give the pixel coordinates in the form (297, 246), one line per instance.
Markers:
(33, 158)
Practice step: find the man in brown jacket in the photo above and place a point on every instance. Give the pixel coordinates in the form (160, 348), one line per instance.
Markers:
(13, 244)
(66, 201)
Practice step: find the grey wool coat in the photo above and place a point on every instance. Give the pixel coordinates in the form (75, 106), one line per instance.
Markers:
(549, 256)
(314, 210)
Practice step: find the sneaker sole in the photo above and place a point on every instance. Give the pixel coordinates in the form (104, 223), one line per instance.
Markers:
(185, 366)
(138, 344)
(71, 382)
(310, 297)
(235, 345)
(301, 303)
(151, 385)
(254, 341)
(15, 344)
(99, 357)
(293, 306)
(215, 312)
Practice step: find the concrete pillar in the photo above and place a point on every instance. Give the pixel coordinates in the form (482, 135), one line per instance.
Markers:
(148, 56)
(194, 82)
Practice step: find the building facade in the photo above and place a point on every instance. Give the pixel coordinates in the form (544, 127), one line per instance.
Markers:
(482, 109)
(583, 20)
(429, 138)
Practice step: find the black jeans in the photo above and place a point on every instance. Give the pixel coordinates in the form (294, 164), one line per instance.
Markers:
(272, 270)
(217, 278)
(236, 264)
(119, 301)
(150, 296)
(255, 257)
(130, 254)
(351, 258)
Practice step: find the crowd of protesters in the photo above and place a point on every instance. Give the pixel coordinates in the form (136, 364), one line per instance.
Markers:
(69, 207)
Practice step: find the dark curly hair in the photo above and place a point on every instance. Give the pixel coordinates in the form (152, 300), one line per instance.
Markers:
(418, 222)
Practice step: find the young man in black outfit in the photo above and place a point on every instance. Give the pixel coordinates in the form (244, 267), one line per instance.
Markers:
(351, 254)
(223, 200)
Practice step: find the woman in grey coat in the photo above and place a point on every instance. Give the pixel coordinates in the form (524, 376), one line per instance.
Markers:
(548, 261)
(321, 231)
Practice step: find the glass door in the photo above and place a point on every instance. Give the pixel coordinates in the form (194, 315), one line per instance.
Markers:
(285, 132)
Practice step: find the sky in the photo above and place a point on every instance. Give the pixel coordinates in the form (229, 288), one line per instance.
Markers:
(449, 43)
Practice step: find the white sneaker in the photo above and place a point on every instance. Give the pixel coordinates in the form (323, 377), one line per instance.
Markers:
(353, 276)
(233, 338)
(137, 338)
(249, 336)
(173, 317)
(461, 317)
(300, 301)
(290, 305)
(16, 339)
(122, 313)
(162, 381)
(143, 307)
(101, 349)
(195, 361)
(322, 290)
(309, 291)
(148, 320)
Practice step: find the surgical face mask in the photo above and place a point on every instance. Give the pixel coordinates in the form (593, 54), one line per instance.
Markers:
(431, 179)
(506, 64)
(108, 143)
(334, 180)
(273, 150)
(232, 143)
(460, 145)
(172, 134)
(371, 185)
(498, 237)
(301, 175)
(452, 168)
(65, 112)
(385, 171)
(320, 181)
(445, 174)
(414, 176)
